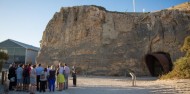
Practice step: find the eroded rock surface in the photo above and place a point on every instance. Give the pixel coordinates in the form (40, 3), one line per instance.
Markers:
(101, 42)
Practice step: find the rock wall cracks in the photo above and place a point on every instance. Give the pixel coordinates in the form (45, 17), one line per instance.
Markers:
(101, 42)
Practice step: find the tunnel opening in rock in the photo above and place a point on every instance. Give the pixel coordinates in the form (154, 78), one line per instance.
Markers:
(158, 63)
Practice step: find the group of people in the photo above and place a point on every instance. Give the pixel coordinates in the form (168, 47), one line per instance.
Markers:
(31, 78)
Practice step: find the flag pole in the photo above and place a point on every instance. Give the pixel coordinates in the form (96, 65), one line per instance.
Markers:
(134, 5)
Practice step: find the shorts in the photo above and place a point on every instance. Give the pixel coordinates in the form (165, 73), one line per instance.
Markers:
(26, 80)
(19, 81)
(33, 81)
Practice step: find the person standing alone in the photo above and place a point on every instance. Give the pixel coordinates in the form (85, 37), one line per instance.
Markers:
(74, 77)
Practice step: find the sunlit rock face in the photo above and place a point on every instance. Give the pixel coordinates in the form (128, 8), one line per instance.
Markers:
(100, 42)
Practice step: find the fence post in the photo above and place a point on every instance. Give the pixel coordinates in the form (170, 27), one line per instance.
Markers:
(2, 77)
(5, 75)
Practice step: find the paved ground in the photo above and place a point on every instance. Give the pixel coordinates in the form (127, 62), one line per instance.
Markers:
(122, 85)
(94, 90)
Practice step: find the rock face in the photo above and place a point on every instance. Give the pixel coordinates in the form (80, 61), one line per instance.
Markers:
(101, 42)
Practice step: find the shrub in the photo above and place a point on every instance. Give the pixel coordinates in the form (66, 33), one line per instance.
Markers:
(3, 56)
(186, 46)
(181, 68)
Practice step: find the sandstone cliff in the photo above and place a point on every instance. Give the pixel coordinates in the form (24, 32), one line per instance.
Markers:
(101, 42)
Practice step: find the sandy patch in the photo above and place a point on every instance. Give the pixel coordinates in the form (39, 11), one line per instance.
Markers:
(123, 85)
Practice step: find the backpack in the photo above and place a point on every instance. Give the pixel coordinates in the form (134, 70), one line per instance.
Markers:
(42, 76)
(12, 79)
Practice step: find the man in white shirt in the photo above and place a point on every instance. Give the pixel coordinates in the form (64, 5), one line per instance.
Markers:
(39, 70)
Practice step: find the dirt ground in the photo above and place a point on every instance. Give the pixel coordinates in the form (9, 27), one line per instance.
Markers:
(123, 85)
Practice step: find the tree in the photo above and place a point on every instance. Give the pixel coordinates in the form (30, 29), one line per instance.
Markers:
(3, 56)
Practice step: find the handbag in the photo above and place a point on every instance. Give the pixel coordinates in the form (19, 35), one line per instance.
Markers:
(12, 79)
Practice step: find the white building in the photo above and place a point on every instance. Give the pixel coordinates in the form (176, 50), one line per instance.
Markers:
(19, 52)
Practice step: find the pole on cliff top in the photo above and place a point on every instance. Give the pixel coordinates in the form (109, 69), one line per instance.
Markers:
(134, 5)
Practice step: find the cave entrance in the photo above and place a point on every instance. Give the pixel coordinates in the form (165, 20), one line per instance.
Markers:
(158, 63)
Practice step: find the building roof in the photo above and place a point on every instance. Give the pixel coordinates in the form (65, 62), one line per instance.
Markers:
(24, 45)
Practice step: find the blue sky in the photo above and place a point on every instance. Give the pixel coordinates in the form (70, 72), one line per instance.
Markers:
(25, 20)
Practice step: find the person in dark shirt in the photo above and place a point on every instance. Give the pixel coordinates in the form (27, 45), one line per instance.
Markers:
(12, 76)
(26, 77)
(74, 77)
(51, 79)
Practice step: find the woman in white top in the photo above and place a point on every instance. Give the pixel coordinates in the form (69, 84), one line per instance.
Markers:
(33, 79)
